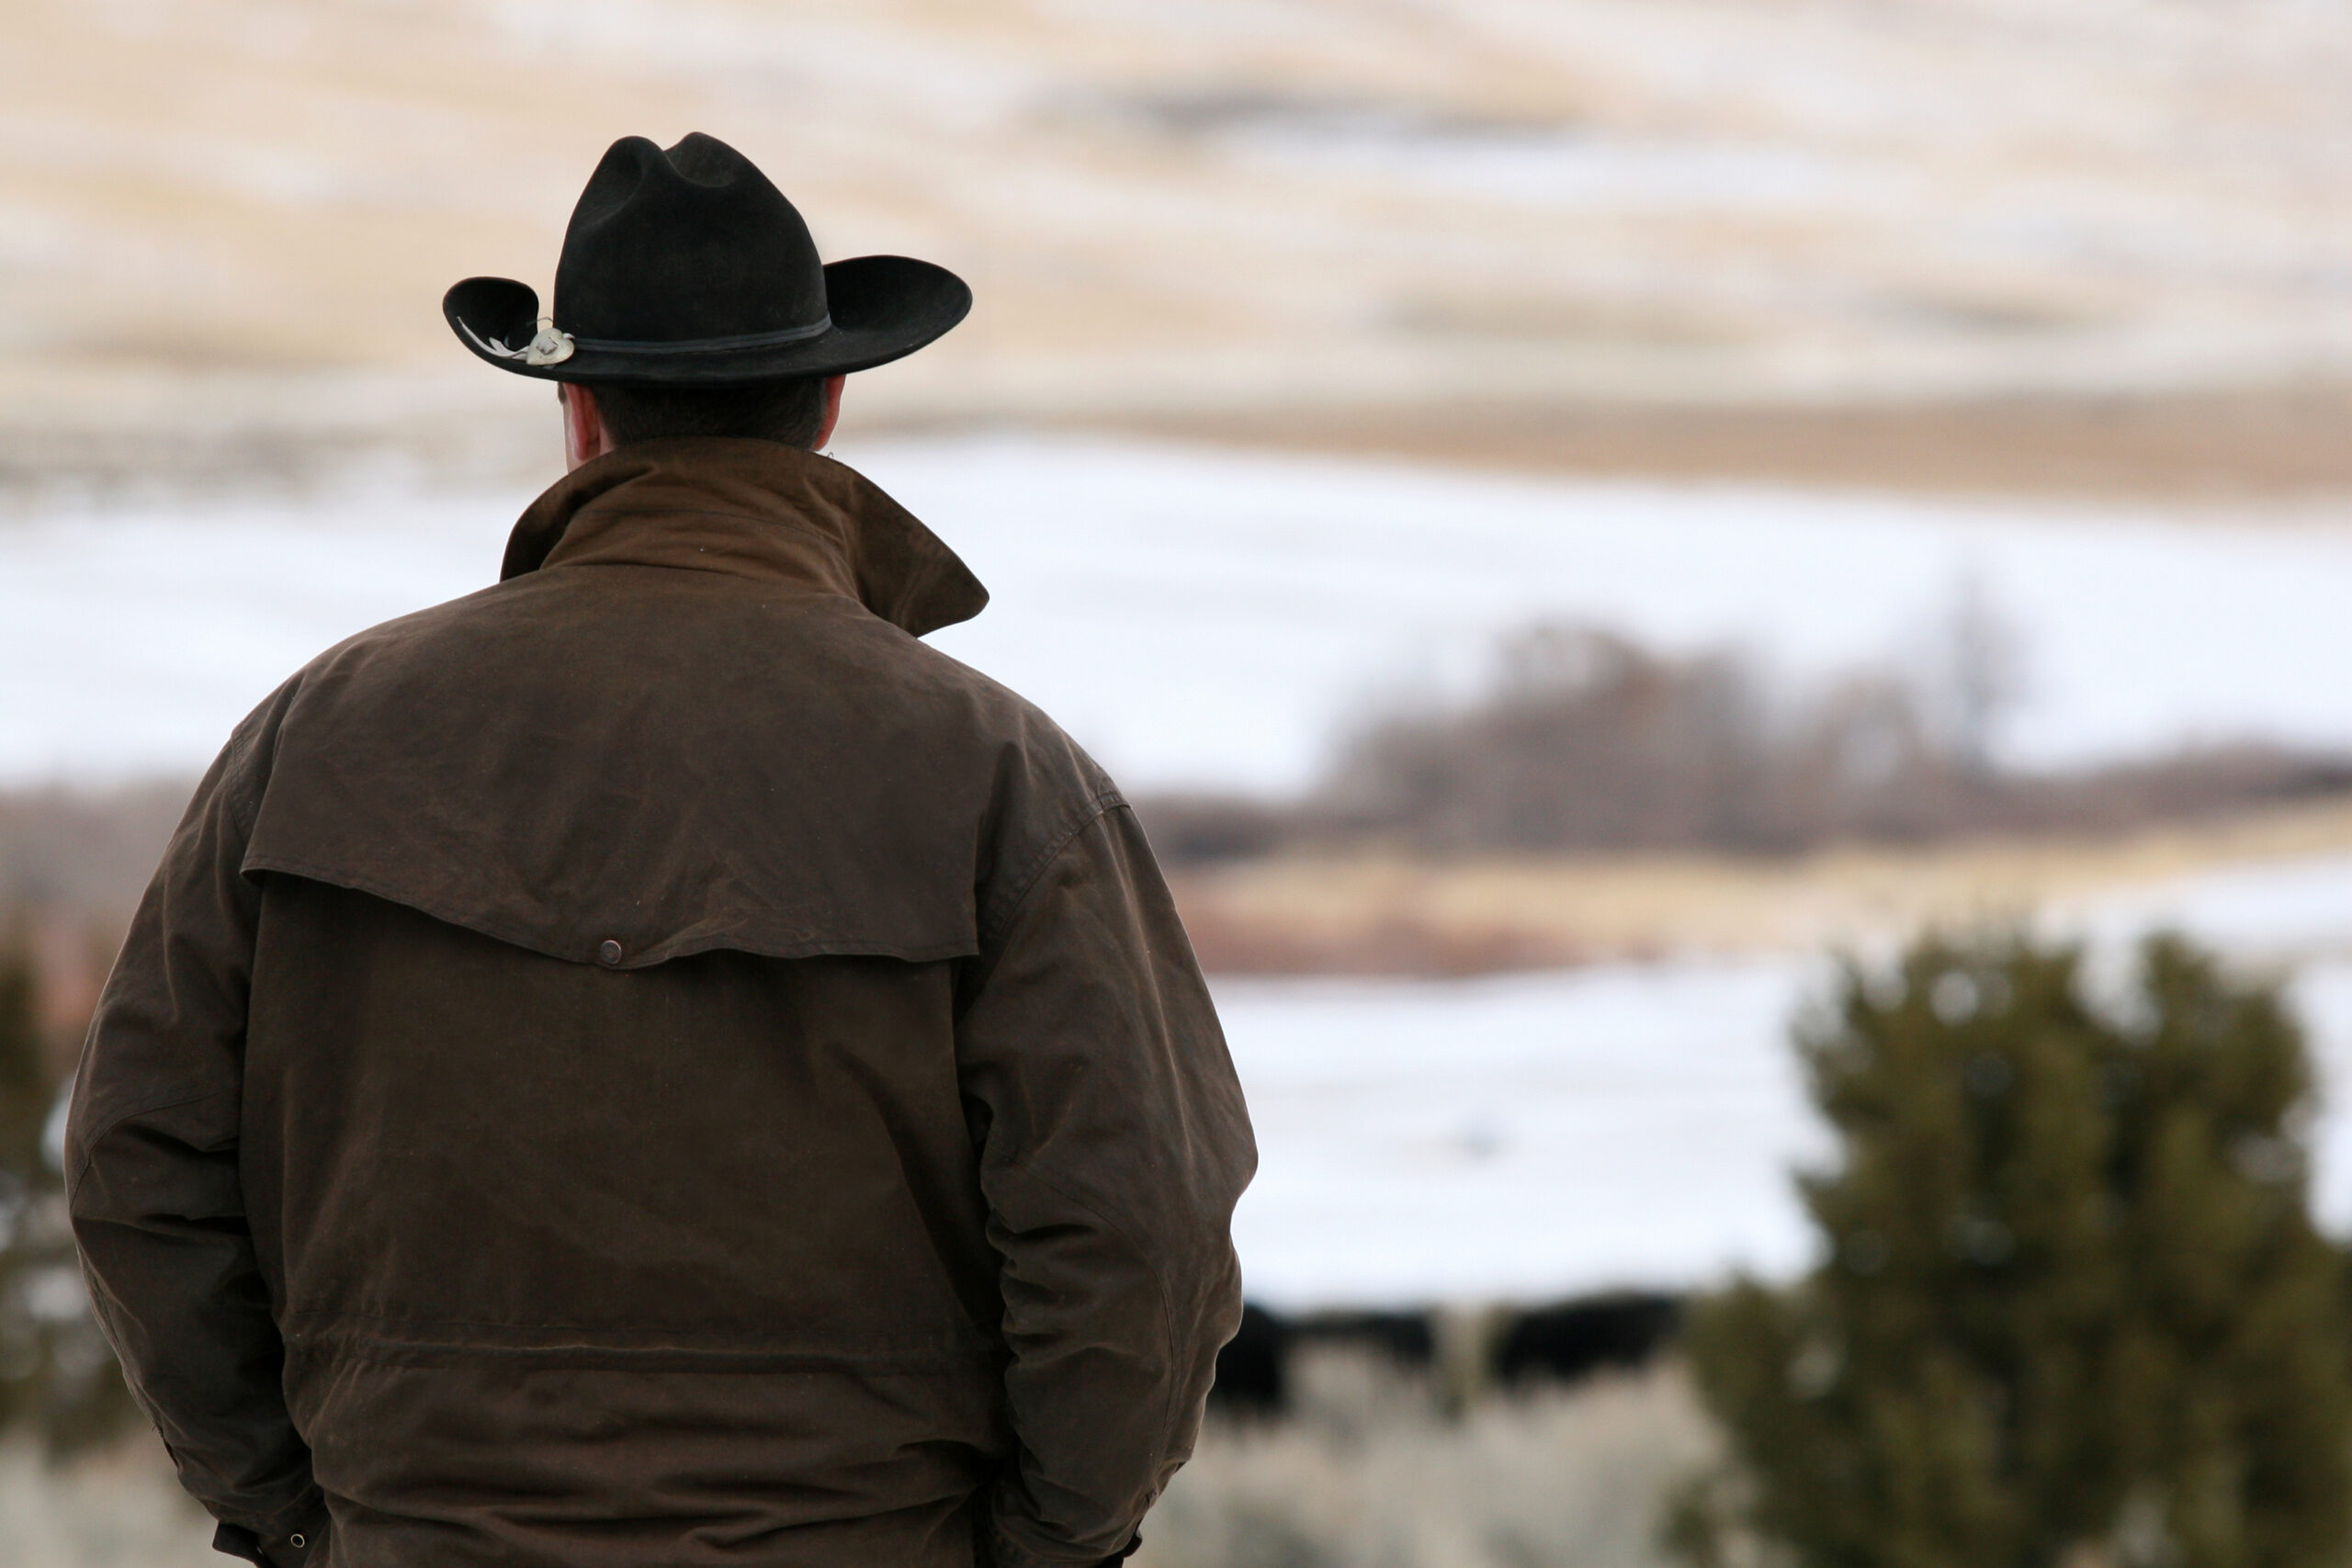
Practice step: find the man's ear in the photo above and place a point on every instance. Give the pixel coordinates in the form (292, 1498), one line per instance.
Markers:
(584, 435)
(833, 385)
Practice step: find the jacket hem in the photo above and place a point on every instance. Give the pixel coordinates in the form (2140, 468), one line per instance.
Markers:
(1005, 1550)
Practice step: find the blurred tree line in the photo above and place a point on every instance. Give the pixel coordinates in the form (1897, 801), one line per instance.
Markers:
(1584, 739)
(2072, 1312)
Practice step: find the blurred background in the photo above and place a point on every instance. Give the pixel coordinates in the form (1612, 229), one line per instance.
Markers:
(1653, 568)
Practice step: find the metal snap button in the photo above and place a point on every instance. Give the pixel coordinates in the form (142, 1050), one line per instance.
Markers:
(610, 952)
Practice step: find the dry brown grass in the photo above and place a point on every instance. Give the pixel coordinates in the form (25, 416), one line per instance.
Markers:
(1378, 911)
(1367, 1475)
(2207, 446)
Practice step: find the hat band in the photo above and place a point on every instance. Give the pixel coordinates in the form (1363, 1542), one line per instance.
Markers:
(710, 345)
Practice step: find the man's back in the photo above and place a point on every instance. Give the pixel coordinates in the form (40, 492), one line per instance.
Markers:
(685, 1072)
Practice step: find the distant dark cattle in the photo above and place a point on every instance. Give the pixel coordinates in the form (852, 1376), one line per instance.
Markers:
(1559, 1343)
(1254, 1370)
(1251, 1370)
(1577, 1338)
(1405, 1338)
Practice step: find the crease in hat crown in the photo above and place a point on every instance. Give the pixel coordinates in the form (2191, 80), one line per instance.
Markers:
(687, 265)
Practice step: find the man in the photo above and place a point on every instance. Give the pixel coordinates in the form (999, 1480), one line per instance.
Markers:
(648, 1064)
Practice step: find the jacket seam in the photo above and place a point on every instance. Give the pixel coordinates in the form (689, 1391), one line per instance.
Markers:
(108, 1129)
(1102, 803)
(934, 1364)
(930, 952)
(241, 796)
(296, 1313)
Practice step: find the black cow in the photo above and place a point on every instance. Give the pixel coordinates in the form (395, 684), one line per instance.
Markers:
(1559, 1343)
(1252, 1371)
(1405, 1338)
(1575, 1339)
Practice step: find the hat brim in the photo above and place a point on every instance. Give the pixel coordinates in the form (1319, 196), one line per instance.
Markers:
(883, 308)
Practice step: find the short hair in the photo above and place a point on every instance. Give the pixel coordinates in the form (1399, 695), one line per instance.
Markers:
(791, 411)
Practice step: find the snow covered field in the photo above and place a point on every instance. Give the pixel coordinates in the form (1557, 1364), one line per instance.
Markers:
(1198, 617)
(1201, 617)
(1530, 1137)
(1517, 1137)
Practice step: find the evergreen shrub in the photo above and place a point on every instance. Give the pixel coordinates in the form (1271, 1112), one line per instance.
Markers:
(2073, 1311)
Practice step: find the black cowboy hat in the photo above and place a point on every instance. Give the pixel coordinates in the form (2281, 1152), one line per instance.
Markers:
(687, 268)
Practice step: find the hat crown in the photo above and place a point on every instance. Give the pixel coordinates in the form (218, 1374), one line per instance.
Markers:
(685, 244)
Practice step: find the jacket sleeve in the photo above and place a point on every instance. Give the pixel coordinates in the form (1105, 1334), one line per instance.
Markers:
(1114, 1143)
(153, 1181)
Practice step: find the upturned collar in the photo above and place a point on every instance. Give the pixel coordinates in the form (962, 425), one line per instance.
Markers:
(751, 509)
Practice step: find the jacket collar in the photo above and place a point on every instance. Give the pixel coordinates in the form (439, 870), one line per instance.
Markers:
(752, 509)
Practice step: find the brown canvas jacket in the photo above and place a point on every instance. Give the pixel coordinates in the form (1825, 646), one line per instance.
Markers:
(651, 1063)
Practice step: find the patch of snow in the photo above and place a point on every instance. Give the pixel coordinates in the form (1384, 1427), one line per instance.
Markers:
(1564, 167)
(1517, 1137)
(130, 643)
(1202, 619)
(2281, 911)
(1534, 1136)
(1209, 618)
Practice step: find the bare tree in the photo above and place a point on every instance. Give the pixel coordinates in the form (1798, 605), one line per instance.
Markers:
(1979, 676)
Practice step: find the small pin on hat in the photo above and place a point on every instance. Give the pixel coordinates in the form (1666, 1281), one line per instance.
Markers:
(549, 345)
